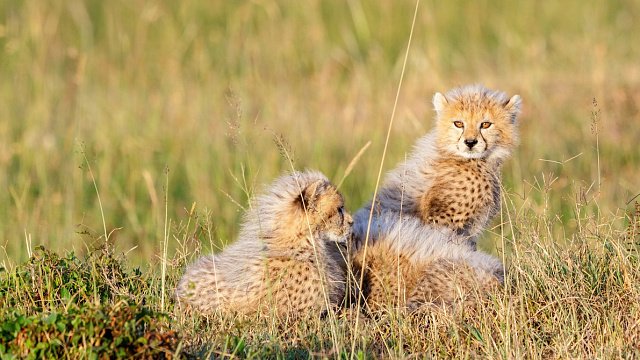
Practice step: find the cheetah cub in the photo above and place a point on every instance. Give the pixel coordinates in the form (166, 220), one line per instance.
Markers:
(411, 267)
(289, 256)
(432, 208)
(451, 180)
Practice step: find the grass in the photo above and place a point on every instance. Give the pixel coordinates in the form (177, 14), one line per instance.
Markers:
(174, 112)
(578, 299)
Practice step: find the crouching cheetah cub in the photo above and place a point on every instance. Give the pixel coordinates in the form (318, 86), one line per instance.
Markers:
(289, 256)
(450, 184)
(411, 266)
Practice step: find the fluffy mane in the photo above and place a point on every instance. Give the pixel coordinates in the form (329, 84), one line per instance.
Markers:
(263, 217)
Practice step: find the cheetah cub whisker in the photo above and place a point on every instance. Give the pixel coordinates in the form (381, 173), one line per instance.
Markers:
(289, 256)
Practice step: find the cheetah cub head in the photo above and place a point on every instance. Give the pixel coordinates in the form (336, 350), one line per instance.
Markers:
(475, 122)
(297, 208)
(320, 208)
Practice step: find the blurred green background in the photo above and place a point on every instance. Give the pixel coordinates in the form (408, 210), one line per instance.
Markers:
(144, 93)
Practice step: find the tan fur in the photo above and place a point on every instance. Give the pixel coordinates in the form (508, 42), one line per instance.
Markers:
(412, 265)
(289, 258)
(443, 182)
(445, 194)
(464, 196)
(394, 280)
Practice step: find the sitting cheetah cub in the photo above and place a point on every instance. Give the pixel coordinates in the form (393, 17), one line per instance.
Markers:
(289, 256)
(451, 180)
(447, 192)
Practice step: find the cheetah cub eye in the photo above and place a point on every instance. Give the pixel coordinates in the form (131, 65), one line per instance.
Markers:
(485, 125)
(458, 124)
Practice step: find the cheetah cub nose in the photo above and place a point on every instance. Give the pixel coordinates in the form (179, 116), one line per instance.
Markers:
(470, 143)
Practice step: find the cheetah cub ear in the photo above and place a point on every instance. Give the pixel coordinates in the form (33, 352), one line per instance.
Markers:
(439, 102)
(311, 195)
(513, 106)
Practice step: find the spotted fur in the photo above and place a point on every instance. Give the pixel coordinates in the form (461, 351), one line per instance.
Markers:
(448, 190)
(411, 265)
(288, 258)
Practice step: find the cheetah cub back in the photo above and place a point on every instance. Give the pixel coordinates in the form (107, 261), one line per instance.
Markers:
(289, 256)
(410, 267)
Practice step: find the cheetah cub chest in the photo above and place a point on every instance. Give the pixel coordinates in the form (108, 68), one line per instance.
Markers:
(465, 194)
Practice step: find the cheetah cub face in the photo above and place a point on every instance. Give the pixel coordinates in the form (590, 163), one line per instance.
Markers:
(320, 207)
(474, 122)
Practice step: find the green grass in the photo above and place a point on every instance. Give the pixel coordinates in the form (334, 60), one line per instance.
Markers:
(579, 299)
(182, 103)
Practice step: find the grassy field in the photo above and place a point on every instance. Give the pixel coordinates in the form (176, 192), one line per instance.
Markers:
(130, 122)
